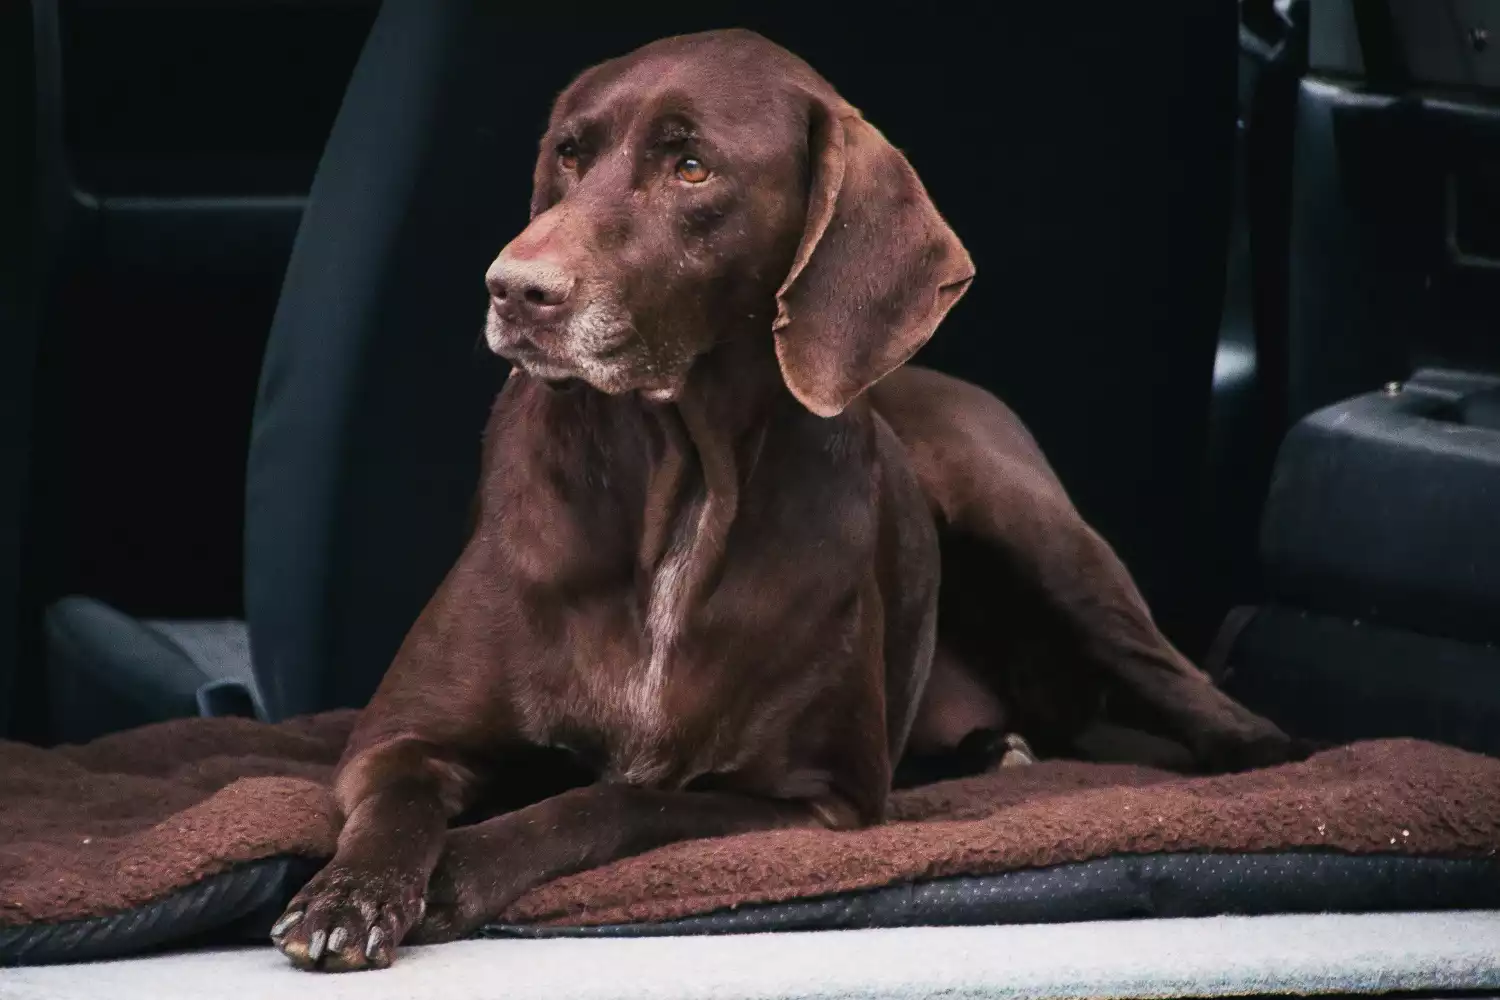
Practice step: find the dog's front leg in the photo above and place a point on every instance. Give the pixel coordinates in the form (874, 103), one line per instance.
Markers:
(406, 773)
(354, 913)
(488, 866)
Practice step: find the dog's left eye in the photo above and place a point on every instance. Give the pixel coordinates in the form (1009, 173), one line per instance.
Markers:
(567, 156)
(692, 170)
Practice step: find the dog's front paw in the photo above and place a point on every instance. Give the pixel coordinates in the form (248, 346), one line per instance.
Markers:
(346, 919)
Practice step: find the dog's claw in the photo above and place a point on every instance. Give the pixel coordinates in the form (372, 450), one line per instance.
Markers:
(346, 920)
(286, 923)
(1018, 752)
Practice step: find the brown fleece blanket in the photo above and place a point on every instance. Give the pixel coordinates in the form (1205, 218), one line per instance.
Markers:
(97, 829)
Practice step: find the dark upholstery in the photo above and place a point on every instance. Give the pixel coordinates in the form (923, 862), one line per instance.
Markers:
(1085, 161)
(365, 444)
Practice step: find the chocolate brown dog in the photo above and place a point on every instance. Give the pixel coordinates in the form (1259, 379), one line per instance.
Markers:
(703, 586)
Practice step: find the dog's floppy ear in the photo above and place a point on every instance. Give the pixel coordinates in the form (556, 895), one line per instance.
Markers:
(875, 272)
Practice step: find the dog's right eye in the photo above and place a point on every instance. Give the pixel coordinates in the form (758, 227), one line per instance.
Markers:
(567, 156)
(692, 170)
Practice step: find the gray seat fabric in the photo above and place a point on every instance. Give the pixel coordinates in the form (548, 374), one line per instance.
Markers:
(221, 649)
(108, 671)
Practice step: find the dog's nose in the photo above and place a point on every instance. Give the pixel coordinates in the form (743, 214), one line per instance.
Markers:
(528, 284)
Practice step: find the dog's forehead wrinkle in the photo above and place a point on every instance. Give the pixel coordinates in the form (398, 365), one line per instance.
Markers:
(706, 94)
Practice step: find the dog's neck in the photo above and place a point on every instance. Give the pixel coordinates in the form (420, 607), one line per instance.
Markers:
(714, 433)
(737, 387)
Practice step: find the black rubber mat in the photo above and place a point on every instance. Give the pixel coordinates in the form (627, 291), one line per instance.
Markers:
(240, 905)
(1118, 888)
(236, 905)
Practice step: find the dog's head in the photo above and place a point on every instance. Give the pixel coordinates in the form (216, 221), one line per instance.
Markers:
(709, 187)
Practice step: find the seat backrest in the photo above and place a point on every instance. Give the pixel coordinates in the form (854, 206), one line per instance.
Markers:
(365, 439)
(1085, 161)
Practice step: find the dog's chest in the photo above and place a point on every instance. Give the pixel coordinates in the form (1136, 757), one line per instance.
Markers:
(617, 700)
(669, 597)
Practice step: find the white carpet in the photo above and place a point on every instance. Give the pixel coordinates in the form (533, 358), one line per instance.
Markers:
(1134, 959)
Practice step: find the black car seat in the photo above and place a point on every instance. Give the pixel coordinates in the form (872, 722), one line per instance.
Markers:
(1085, 161)
(1379, 555)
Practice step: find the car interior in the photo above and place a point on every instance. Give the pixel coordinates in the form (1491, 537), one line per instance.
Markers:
(1238, 271)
